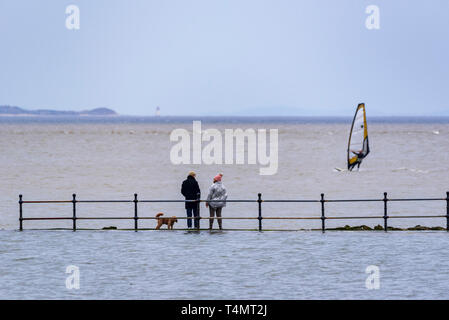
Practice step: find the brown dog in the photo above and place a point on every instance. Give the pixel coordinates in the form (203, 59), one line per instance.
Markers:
(168, 221)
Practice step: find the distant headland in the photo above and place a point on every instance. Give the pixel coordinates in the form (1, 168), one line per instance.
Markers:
(17, 111)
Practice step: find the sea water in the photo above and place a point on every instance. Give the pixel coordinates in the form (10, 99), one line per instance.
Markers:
(223, 265)
(113, 158)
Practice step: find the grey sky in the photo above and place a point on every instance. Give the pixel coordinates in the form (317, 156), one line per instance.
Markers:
(228, 57)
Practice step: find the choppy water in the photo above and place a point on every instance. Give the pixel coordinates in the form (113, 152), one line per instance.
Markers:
(223, 265)
(115, 159)
(45, 161)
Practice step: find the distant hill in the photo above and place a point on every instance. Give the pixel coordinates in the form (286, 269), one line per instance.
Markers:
(17, 111)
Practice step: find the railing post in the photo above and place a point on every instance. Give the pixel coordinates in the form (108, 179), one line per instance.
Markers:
(198, 218)
(259, 201)
(385, 212)
(20, 213)
(323, 217)
(447, 211)
(74, 211)
(136, 218)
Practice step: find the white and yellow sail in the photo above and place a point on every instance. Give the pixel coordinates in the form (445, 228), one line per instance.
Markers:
(358, 147)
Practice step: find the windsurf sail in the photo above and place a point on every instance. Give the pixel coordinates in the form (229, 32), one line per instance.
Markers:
(358, 147)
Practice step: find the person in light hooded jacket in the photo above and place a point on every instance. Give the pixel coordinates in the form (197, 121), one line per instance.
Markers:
(217, 193)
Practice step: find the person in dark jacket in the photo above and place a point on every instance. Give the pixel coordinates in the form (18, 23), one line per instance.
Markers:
(191, 191)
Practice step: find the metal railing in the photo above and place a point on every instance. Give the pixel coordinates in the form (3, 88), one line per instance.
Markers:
(259, 202)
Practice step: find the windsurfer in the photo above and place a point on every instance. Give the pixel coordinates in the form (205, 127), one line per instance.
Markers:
(360, 155)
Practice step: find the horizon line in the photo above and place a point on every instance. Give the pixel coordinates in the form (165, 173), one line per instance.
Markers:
(219, 116)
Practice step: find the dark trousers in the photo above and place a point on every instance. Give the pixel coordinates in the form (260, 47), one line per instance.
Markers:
(195, 212)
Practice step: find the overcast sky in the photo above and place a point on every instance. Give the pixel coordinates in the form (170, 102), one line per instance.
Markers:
(227, 57)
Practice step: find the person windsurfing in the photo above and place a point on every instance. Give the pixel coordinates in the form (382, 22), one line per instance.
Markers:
(358, 138)
(360, 155)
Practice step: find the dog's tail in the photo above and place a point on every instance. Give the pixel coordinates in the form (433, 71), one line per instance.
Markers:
(159, 214)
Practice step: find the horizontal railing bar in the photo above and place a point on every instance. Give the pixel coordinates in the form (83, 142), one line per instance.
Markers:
(379, 200)
(132, 218)
(248, 201)
(381, 217)
(225, 200)
(78, 201)
(417, 216)
(419, 199)
(164, 217)
(193, 218)
(197, 201)
(104, 218)
(168, 200)
(101, 201)
(354, 200)
(130, 201)
(229, 218)
(290, 200)
(48, 201)
(164, 229)
(292, 218)
(47, 218)
(167, 217)
(355, 217)
(192, 230)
